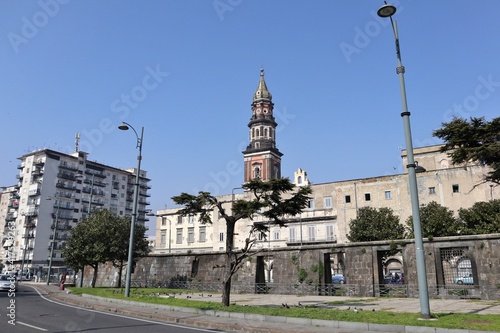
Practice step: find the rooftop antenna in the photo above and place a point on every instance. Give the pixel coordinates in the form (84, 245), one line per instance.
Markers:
(77, 141)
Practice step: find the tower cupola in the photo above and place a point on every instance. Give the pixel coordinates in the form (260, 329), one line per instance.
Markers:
(262, 158)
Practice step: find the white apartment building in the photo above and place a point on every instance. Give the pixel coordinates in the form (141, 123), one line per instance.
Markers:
(333, 205)
(54, 191)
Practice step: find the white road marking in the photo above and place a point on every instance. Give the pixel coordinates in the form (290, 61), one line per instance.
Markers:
(122, 316)
(35, 327)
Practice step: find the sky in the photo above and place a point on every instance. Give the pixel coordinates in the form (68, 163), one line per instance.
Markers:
(186, 71)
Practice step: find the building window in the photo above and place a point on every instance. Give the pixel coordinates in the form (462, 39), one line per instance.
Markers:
(311, 232)
(367, 197)
(387, 195)
(190, 235)
(455, 188)
(292, 236)
(163, 221)
(329, 233)
(203, 234)
(432, 190)
(328, 202)
(347, 199)
(261, 236)
(310, 204)
(221, 236)
(163, 237)
(276, 235)
(178, 239)
(256, 172)
(179, 219)
(191, 219)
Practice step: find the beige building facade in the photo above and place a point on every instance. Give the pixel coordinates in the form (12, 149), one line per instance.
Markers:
(333, 205)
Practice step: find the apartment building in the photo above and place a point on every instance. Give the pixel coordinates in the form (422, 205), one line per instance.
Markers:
(54, 192)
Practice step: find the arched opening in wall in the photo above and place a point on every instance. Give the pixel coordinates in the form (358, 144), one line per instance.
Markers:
(260, 276)
(458, 267)
(268, 268)
(390, 267)
(335, 268)
(194, 267)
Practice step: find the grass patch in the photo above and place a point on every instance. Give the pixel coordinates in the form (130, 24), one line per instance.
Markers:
(449, 320)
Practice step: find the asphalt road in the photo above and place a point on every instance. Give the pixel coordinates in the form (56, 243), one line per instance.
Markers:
(27, 311)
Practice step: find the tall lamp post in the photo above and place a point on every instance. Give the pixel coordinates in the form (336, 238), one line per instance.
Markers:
(53, 242)
(125, 126)
(384, 12)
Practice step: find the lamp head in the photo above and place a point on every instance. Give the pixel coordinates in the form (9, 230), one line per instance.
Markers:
(123, 127)
(386, 10)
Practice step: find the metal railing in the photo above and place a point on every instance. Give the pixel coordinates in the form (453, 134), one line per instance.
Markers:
(349, 290)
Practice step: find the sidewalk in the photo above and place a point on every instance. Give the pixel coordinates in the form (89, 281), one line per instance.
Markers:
(236, 322)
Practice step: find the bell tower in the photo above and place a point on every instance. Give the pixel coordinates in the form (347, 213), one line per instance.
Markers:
(262, 158)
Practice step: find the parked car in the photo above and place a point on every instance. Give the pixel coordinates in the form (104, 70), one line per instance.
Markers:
(338, 279)
(8, 282)
(395, 278)
(464, 280)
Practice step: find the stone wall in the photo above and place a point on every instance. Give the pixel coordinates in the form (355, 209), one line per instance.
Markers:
(310, 264)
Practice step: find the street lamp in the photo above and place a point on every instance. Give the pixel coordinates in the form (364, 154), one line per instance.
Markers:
(384, 12)
(53, 242)
(125, 126)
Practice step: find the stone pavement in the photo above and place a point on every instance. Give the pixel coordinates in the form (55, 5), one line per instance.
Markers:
(236, 322)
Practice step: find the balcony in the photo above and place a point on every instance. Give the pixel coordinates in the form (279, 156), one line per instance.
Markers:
(66, 175)
(34, 192)
(20, 166)
(32, 212)
(95, 173)
(62, 227)
(311, 241)
(30, 225)
(39, 162)
(13, 204)
(66, 166)
(37, 172)
(65, 186)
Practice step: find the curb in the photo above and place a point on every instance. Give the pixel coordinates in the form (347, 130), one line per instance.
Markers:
(210, 319)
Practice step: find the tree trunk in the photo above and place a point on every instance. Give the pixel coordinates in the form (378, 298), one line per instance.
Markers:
(120, 274)
(226, 288)
(228, 272)
(94, 277)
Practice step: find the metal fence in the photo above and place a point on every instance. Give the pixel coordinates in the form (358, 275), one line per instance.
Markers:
(352, 290)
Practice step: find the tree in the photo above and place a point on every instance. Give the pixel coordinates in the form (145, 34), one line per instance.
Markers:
(476, 140)
(99, 238)
(374, 225)
(481, 218)
(275, 200)
(436, 221)
(119, 244)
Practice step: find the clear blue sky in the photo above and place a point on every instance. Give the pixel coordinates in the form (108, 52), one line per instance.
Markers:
(186, 70)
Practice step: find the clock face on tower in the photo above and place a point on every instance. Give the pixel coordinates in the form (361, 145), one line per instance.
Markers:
(258, 110)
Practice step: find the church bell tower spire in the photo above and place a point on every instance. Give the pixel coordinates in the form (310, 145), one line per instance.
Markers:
(262, 158)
